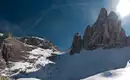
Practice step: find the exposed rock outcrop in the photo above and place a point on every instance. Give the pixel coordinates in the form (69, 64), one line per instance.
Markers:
(2, 63)
(14, 54)
(87, 35)
(39, 42)
(14, 50)
(106, 32)
(128, 41)
(76, 44)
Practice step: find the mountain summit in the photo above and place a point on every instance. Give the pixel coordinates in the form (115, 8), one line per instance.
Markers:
(106, 32)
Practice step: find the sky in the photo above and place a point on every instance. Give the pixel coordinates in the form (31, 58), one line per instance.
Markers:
(55, 20)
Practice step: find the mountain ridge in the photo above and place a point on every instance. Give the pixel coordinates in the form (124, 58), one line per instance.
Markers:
(25, 54)
(106, 32)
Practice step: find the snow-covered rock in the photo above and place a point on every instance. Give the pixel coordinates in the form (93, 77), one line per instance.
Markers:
(18, 59)
(39, 42)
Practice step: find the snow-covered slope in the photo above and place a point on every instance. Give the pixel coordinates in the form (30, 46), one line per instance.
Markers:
(119, 74)
(88, 63)
(77, 66)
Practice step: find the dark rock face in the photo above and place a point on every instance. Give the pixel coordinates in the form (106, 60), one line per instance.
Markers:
(106, 32)
(86, 38)
(14, 50)
(2, 62)
(102, 17)
(128, 41)
(77, 44)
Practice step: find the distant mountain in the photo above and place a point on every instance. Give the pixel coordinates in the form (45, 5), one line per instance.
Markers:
(106, 32)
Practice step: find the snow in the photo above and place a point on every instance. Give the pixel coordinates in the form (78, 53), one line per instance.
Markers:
(40, 51)
(28, 45)
(20, 65)
(1, 34)
(38, 38)
(32, 57)
(119, 74)
(99, 64)
(39, 56)
(88, 63)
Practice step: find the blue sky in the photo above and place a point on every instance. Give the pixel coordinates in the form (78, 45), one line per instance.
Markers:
(56, 20)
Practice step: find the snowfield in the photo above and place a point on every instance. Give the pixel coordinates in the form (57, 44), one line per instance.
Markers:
(119, 74)
(88, 63)
(104, 64)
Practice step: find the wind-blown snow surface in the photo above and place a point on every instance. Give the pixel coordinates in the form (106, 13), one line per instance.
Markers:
(119, 74)
(85, 64)
(88, 63)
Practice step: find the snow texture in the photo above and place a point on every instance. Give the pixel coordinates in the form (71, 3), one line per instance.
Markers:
(80, 66)
(119, 74)
(88, 63)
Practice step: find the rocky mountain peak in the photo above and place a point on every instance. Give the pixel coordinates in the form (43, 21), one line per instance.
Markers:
(106, 32)
(24, 50)
(102, 14)
(112, 16)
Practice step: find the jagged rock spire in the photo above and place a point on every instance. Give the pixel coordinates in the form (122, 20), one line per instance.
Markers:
(76, 44)
(103, 14)
(87, 35)
(106, 32)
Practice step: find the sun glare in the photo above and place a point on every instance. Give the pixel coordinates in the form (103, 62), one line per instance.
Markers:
(123, 8)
